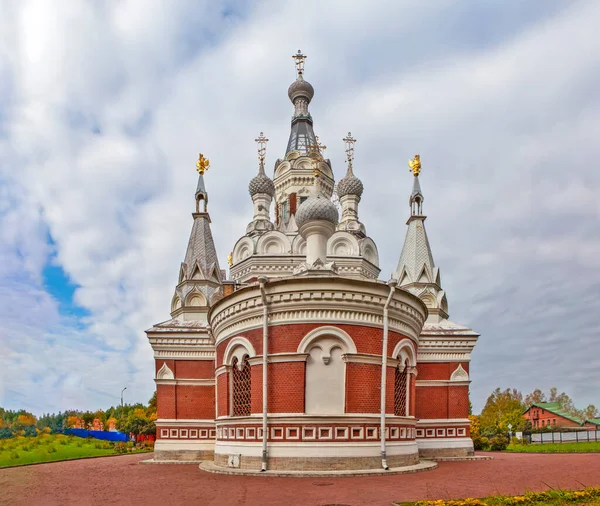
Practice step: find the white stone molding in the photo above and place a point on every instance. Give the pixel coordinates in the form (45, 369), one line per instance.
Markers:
(165, 373)
(459, 374)
(273, 243)
(299, 246)
(187, 382)
(243, 249)
(326, 330)
(342, 244)
(404, 350)
(183, 355)
(361, 358)
(237, 347)
(424, 422)
(442, 383)
(224, 369)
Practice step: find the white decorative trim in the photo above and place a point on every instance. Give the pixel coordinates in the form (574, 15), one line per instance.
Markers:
(173, 433)
(363, 358)
(193, 433)
(235, 342)
(459, 374)
(442, 383)
(344, 432)
(400, 351)
(183, 355)
(461, 431)
(443, 421)
(276, 432)
(164, 433)
(183, 445)
(186, 382)
(451, 432)
(326, 330)
(357, 432)
(309, 430)
(183, 433)
(288, 433)
(251, 433)
(325, 433)
(439, 443)
(182, 422)
(165, 373)
(371, 433)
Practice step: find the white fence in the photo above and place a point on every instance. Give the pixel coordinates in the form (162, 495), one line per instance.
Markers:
(579, 436)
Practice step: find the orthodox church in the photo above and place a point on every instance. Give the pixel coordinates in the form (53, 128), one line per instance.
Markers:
(302, 359)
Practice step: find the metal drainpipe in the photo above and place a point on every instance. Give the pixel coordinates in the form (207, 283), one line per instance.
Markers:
(392, 285)
(263, 281)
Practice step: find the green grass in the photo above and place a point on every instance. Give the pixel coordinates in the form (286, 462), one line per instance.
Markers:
(588, 497)
(50, 448)
(586, 447)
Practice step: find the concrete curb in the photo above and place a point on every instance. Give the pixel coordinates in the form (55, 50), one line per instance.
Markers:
(424, 465)
(461, 459)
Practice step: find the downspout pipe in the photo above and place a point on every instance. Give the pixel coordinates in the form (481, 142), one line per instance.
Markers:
(384, 354)
(262, 280)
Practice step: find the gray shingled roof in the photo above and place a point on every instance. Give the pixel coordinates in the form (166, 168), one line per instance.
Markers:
(201, 249)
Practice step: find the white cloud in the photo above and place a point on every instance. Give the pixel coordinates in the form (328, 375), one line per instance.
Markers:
(107, 105)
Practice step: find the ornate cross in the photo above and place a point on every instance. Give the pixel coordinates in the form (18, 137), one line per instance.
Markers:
(317, 148)
(262, 147)
(299, 57)
(202, 164)
(350, 141)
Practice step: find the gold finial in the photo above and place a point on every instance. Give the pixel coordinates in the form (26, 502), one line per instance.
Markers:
(317, 148)
(299, 57)
(350, 141)
(230, 259)
(415, 165)
(202, 164)
(262, 148)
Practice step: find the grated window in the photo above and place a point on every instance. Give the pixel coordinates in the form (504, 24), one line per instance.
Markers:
(242, 387)
(401, 390)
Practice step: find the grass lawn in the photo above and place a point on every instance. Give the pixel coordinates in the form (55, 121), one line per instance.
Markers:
(556, 448)
(588, 497)
(50, 448)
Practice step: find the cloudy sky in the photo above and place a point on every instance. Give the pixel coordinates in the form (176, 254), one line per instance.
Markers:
(104, 106)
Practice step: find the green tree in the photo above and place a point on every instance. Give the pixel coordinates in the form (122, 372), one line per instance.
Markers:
(535, 397)
(502, 407)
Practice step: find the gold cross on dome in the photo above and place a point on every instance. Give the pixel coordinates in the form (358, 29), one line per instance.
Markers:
(202, 164)
(317, 148)
(415, 165)
(350, 141)
(299, 57)
(262, 147)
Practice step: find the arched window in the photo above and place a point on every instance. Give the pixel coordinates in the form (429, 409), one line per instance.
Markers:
(242, 387)
(401, 390)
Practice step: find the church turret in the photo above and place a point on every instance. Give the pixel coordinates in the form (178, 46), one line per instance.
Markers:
(200, 278)
(262, 191)
(349, 190)
(416, 271)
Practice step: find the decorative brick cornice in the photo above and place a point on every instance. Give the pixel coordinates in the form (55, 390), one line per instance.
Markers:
(187, 382)
(320, 300)
(169, 354)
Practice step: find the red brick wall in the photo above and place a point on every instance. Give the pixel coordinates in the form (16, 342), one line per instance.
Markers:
(195, 402)
(223, 392)
(362, 388)
(165, 401)
(286, 387)
(434, 371)
(458, 402)
(197, 369)
(286, 338)
(159, 363)
(256, 391)
(431, 402)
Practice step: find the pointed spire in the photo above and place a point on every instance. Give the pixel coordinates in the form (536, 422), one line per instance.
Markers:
(202, 166)
(416, 271)
(200, 275)
(301, 93)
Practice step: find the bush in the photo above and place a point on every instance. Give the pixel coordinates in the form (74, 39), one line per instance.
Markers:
(51, 449)
(480, 442)
(121, 448)
(498, 443)
(14, 455)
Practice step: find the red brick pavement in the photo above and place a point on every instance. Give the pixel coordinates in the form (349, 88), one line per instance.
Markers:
(122, 481)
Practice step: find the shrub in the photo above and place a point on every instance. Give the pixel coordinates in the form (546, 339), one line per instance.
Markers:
(480, 442)
(51, 449)
(14, 455)
(120, 448)
(498, 443)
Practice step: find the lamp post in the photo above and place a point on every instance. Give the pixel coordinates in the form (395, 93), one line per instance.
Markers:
(122, 397)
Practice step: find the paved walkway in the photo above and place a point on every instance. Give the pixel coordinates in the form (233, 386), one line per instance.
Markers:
(122, 481)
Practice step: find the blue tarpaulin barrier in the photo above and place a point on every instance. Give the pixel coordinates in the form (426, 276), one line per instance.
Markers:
(99, 434)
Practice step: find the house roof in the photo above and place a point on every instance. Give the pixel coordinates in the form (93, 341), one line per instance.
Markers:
(595, 421)
(554, 407)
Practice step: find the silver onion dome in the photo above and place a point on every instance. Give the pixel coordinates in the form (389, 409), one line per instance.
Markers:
(301, 89)
(315, 208)
(261, 184)
(350, 185)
